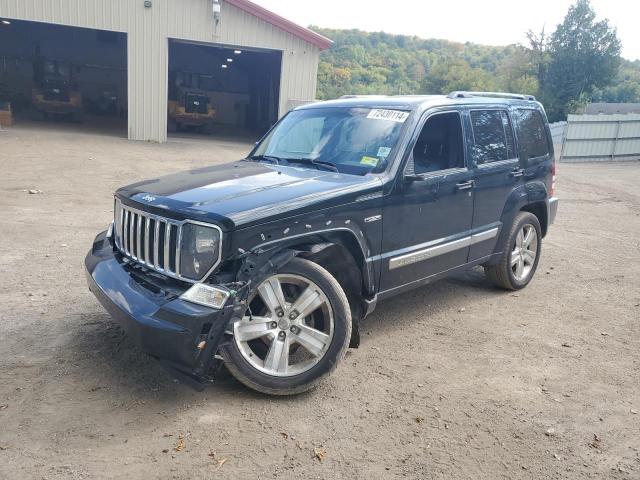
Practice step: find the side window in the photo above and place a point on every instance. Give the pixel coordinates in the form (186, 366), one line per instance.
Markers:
(492, 136)
(532, 135)
(440, 144)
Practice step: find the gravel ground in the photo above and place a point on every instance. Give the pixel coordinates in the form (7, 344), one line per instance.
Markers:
(454, 380)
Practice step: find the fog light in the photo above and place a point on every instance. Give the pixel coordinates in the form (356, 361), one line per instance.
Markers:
(207, 295)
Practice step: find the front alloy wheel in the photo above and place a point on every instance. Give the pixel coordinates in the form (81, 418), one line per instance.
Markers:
(296, 329)
(293, 330)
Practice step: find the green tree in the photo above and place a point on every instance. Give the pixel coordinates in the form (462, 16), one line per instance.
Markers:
(448, 76)
(585, 55)
(625, 88)
(564, 70)
(538, 52)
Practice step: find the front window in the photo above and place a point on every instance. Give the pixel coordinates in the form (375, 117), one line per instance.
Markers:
(347, 140)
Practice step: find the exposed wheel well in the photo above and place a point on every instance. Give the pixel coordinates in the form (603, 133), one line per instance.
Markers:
(339, 262)
(342, 264)
(539, 209)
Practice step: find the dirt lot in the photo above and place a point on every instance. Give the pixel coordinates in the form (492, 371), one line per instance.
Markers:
(455, 380)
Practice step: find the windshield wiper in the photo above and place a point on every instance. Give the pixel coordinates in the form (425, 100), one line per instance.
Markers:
(316, 163)
(269, 158)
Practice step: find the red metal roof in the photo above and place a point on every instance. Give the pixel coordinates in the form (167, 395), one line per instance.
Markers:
(287, 25)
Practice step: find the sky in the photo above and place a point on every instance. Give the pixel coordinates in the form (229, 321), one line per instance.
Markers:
(488, 22)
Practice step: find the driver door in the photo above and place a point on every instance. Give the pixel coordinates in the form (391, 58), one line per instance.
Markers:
(428, 217)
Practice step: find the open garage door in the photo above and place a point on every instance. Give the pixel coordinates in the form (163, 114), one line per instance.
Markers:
(218, 89)
(66, 76)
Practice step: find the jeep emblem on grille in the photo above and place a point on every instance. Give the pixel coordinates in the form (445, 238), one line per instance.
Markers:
(148, 198)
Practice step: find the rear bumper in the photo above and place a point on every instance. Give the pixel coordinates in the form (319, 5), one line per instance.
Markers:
(552, 209)
(195, 119)
(159, 322)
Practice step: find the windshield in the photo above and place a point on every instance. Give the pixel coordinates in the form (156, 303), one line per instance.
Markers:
(350, 140)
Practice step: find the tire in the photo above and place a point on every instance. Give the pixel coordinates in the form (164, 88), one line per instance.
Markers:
(248, 360)
(507, 273)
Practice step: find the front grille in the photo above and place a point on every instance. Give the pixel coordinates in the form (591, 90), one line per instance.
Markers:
(56, 94)
(148, 239)
(196, 104)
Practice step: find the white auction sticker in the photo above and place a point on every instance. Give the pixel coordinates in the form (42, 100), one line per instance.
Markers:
(384, 152)
(391, 115)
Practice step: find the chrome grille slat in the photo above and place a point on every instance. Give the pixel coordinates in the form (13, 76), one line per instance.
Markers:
(167, 241)
(139, 237)
(178, 242)
(132, 217)
(155, 245)
(146, 238)
(126, 231)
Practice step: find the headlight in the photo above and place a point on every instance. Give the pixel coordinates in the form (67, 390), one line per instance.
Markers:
(199, 250)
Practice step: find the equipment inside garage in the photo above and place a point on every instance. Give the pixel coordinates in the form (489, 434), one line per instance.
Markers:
(222, 88)
(54, 72)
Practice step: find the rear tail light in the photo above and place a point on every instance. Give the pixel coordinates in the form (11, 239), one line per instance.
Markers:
(553, 180)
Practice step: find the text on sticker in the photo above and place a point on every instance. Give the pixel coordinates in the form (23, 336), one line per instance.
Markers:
(390, 115)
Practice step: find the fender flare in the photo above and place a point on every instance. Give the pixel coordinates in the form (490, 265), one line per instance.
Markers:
(271, 254)
(517, 199)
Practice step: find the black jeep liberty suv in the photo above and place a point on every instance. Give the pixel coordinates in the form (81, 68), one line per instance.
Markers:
(269, 264)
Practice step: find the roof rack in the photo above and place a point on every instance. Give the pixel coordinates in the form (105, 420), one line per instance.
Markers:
(516, 96)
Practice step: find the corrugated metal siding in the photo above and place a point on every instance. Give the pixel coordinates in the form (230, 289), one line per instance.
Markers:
(148, 31)
(100, 14)
(592, 138)
(557, 132)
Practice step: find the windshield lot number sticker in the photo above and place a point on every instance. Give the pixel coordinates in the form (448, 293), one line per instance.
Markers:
(389, 115)
(383, 152)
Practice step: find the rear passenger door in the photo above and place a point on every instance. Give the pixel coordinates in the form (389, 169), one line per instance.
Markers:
(497, 172)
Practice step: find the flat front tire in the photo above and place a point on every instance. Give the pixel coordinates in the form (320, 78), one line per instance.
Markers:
(521, 255)
(294, 333)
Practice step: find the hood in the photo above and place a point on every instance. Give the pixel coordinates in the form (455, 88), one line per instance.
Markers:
(246, 193)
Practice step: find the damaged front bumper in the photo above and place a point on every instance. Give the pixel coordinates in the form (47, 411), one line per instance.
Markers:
(182, 335)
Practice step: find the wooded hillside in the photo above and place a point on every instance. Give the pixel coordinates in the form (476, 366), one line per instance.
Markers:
(380, 63)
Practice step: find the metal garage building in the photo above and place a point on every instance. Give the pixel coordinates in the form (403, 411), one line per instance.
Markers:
(276, 60)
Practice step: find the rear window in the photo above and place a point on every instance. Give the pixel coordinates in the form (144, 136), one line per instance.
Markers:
(532, 135)
(492, 136)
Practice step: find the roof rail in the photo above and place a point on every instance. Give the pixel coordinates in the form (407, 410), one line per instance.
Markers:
(516, 96)
(361, 96)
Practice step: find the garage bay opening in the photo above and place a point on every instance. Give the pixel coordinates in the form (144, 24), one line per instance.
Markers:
(222, 90)
(68, 77)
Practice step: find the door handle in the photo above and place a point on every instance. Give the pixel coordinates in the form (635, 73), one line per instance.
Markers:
(517, 172)
(465, 185)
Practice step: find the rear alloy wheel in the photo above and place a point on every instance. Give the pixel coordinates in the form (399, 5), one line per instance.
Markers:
(522, 253)
(295, 331)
